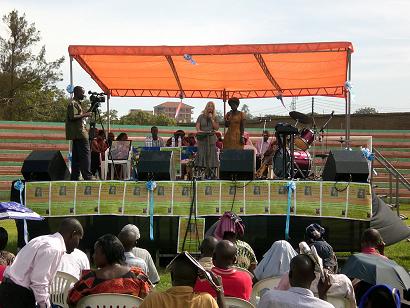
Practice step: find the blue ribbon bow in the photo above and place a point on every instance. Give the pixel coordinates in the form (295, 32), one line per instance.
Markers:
(19, 185)
(189, 58)
(367, 154)
(290, 186)
(151, 185)
(70, 88)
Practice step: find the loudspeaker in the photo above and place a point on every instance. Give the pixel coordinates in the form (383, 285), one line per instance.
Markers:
(237, 165)
(155, 165)
(45, 166)
(347, 166)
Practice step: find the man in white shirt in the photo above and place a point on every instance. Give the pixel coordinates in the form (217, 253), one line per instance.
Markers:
(128, 239)
(154, 140)
(301, 275)
(27, 280)
(74, 263)
(143, 254)
(262, 145)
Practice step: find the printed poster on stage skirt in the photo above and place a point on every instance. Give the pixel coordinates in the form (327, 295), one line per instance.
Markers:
(307, 198)
(163, 199)
(62, 198)
(111, 197)
(136, 199)
(257, 198)
(38, 197)
(208, 198)
(183, 195)
(359, 201)
(232, 197)
(334, 202)
(87, 198)
(192, 232)
(279, 198)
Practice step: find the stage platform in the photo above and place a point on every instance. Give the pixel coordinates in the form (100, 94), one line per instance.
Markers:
(212, 198)
(343, 209)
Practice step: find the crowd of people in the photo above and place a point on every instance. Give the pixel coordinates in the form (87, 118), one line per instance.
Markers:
(227, 267)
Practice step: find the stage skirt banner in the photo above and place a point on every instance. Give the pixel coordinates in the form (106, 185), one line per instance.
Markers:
(192, 231)
(206, 198)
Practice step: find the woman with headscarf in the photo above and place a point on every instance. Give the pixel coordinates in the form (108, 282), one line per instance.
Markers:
(206, 125)
(230, 227)
(234, 121)
(380, 296)
(275, 261)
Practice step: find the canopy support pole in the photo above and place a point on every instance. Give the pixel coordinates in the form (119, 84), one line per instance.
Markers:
(224, 100)
(265, 69)
(71, 74)
(108, 113)
(348, 99)
(174, 70)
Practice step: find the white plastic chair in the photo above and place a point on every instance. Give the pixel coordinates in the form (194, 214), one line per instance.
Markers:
(125, 164)
(59, 288)
(109, 300)
(267, 283)
(234, 302)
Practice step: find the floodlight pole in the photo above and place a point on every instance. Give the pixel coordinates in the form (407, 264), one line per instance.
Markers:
(108, 113)
(348, 99)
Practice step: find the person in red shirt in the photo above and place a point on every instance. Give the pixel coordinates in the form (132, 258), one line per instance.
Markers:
(372, 243)
(236, 283)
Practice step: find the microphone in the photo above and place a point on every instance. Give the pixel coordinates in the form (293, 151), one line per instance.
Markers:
(333, 112)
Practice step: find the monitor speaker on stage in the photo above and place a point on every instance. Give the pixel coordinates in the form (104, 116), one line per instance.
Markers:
(237, 165)
(45, 166)
(346, 166)
(155, 165)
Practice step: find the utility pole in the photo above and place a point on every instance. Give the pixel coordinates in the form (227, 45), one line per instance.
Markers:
(313, 105)
(293, 103)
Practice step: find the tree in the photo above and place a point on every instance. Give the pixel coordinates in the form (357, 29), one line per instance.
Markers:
(366, 110)
(113, 116)
(28, 88)
(140, 117)
(247, 112)
(219, 116)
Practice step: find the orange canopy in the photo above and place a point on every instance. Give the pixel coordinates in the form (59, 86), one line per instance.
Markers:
(219, 71)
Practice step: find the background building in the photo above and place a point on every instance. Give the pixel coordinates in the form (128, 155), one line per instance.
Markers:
(170, 109)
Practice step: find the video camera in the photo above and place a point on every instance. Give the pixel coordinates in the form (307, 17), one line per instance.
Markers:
(96, 99)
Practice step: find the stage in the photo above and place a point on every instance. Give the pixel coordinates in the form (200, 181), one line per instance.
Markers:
(344, 209)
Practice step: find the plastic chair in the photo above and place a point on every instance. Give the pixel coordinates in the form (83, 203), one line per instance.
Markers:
(109, 300)
(59, 288)
(124, 163)
(234, 302)
(267, 283)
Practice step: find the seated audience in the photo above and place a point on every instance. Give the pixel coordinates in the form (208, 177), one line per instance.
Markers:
(191, 140)
(372, 243)
(230, 227)
(178, 134)
(314, 236)
(236, 283)
(110, 138)
(381, 296)
(98, 148)
(143, 254)
(128, 239)
(184, 274)
(74, 263)
(112, 276)
(154, 140)
(275, 261)
(6, 257)
(301, 276)
(341, 286)
(207, 251)
(26, 281)
(122, 137)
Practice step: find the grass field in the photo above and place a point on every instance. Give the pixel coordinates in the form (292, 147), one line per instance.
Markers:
(400, 252)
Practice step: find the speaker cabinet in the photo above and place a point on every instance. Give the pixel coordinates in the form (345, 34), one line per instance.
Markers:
(347, 166)
(237, 165)
(45, 166)
(156, 165)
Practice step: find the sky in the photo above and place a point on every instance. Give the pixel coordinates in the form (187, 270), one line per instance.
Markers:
(379, 31)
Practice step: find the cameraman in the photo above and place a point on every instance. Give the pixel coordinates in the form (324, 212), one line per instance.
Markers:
(75, 130)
